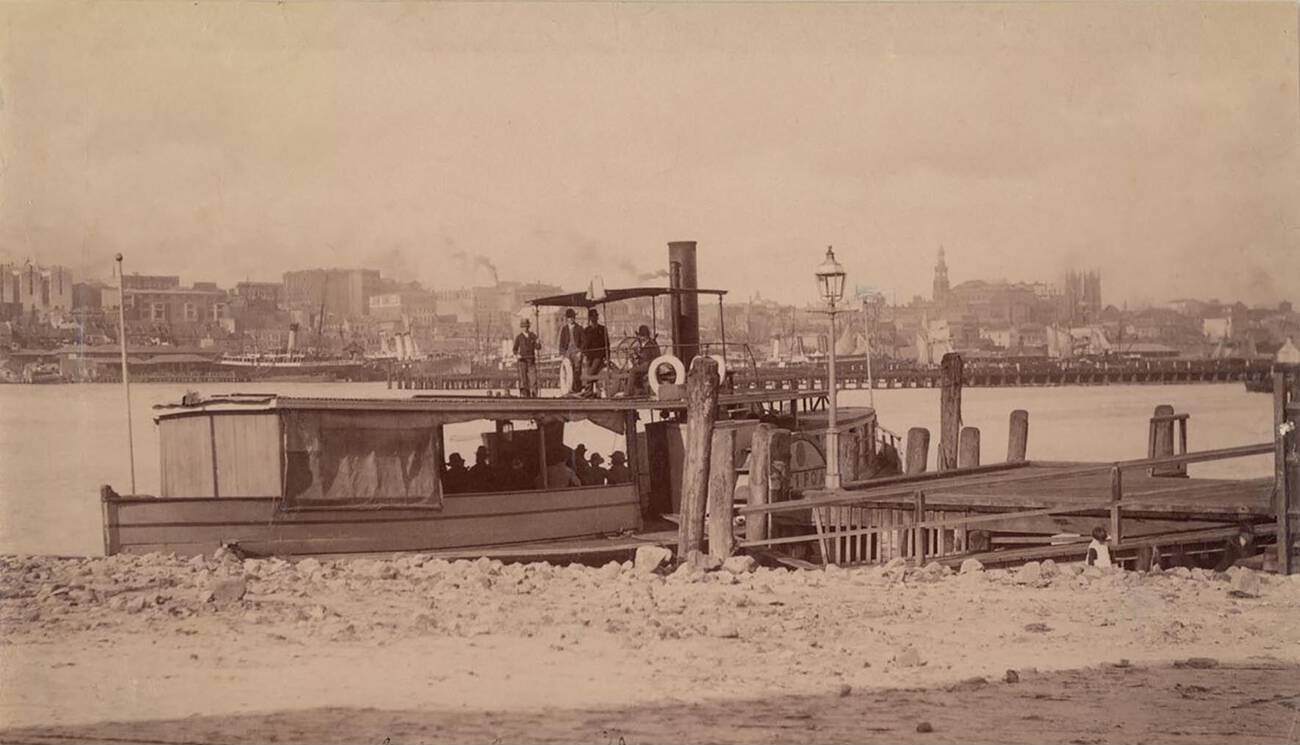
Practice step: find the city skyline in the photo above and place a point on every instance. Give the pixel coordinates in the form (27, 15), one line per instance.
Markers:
(557, 142)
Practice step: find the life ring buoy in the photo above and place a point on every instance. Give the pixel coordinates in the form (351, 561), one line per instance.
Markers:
(679, 371)
(566, 375)
(722, 366)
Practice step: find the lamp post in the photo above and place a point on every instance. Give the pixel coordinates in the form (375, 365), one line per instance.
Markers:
(830, 283)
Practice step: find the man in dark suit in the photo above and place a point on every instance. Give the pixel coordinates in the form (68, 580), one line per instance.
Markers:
(595, 351)
(525, 349)
(571, 347)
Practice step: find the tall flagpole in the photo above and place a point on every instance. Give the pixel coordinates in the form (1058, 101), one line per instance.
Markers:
(126, 376)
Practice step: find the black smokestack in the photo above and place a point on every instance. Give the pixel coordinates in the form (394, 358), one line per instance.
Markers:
(685, 308)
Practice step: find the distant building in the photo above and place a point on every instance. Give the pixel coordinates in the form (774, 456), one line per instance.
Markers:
(203, 302)
(411, 306)
(1081, 298)
(1217, 329)
(340, 294)
(941, 279)
(34, 291)
(260, 295)
(151, 282)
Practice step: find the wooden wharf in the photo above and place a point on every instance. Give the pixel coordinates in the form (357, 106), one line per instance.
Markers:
(853, 375)
(1019, 510)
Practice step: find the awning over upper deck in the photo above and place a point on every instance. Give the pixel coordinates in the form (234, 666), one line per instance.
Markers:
(584, 300)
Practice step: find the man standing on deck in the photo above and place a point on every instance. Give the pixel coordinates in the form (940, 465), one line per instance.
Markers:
(571, 348)
(526, 346)
(595, 350)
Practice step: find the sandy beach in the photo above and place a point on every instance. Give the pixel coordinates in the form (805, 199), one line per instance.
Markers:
(222, 650)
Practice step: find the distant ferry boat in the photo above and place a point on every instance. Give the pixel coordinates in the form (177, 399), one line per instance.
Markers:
(298, 367)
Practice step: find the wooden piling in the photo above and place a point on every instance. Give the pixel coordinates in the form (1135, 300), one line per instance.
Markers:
(918, 450)
(778, 480)
(968, 451)
(701, 410)
(1018, 436)
(760, 465)
(950, 372)
(1160, 441)
(722, 490)
(918, 534)
(1116, 496)
(1286, 394)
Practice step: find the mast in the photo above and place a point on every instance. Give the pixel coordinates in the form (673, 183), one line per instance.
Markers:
(126, 376)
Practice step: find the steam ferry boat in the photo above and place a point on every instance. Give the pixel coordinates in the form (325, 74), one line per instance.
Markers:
(278, 475)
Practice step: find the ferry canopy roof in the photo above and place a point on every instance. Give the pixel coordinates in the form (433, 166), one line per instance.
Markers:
(583, 300)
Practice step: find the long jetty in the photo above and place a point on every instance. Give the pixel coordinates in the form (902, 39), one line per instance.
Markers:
(852, 375)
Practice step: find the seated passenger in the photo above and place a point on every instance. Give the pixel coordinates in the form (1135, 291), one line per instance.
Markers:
(596, 476)
(456, 478)
(619, 473)
(646, 350)
(518, 478)
(580, 465)
(558, 474)
(481, 476)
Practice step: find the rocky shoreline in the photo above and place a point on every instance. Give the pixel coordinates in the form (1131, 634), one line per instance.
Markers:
(218, 635)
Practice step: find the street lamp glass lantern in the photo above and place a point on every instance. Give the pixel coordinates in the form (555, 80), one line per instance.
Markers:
(830, 278)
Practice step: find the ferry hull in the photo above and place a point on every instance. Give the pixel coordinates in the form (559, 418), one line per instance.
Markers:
(188, 526)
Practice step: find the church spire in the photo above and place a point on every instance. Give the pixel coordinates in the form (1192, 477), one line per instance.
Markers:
(941, 279)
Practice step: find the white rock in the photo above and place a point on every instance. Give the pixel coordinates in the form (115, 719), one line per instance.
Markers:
(971, 565)
(1029, 573)
(229, 590)
(650, 558)
(702, 561)
(1049, 568)
(611, 570)
(1246, 583)
(908, 658)
(308, 567)
(739, 564)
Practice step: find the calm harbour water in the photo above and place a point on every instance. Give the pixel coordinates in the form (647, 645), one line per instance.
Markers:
(58, 443)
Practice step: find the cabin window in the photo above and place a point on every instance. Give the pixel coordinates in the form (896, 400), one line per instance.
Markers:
(346, 459)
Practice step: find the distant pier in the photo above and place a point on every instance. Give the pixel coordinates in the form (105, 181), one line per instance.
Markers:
(853, 375)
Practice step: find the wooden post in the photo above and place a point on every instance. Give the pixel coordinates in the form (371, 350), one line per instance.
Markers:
(722, 490)
(918, 534)
(968, 451)
(1018, 437)
(1160, 441)
(1116, 496)
(778, 479)
(634, 459)
(543, 462)
(949, 410)
(760, 466)
(701, 409)
(918, 450)
(1285, 487)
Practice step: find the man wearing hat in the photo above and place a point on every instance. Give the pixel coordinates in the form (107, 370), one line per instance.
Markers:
(619, 473)
(456, 478)
(581, 466)
(571, 347)
(646, 350)
(597, 474)
(595, 350)
(526, 346)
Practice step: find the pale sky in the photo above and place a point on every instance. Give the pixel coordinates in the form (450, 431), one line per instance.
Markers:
(1159, 143)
